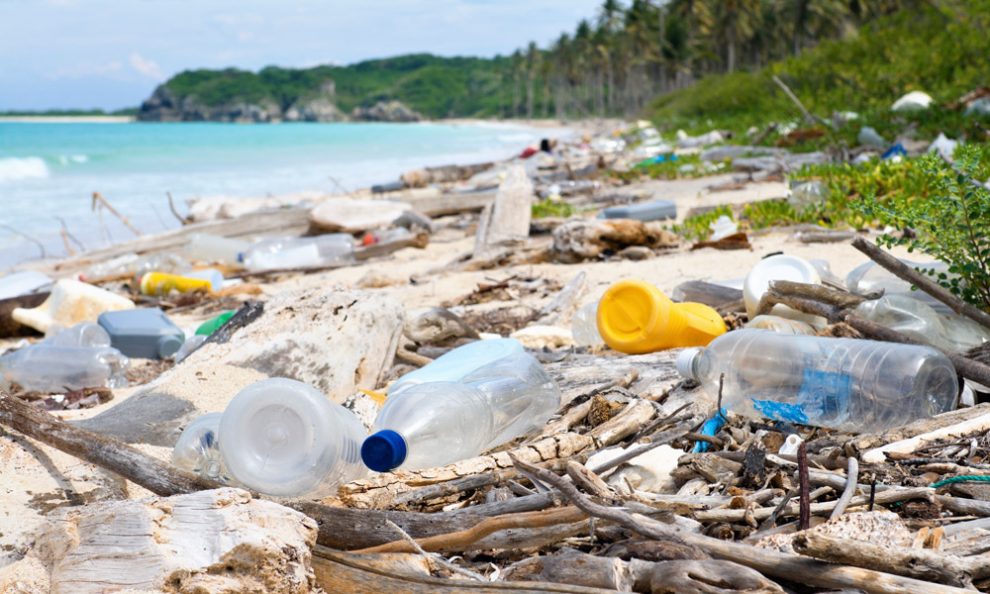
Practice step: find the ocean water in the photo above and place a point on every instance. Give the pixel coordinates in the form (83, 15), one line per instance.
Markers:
(48, 171)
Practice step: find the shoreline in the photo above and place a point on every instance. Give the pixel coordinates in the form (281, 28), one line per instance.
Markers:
(46, 119)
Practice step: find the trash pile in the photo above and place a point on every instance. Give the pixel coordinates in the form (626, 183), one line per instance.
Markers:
(425, 387)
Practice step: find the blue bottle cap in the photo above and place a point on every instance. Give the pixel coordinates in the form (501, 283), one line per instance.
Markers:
(383, 451)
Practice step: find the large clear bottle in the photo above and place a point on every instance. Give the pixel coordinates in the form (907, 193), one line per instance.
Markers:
(278, 436)
(300, 252)
(841, 383)
(917, 319)
(55, 369)
(438, 422)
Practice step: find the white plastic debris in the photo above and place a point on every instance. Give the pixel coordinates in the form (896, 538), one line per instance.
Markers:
(647, 472)
(791, 445)
(980, 107)
(723, 227)
(868, 136)
(944, 146)
(913, 101)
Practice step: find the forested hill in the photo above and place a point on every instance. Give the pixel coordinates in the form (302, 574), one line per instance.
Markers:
(429, 86)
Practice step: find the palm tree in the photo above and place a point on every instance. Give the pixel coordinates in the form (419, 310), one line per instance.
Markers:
(735, 22)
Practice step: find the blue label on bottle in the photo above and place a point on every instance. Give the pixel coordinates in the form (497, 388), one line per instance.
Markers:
(822, 399)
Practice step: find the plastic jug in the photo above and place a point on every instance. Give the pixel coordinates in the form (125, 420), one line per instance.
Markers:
(52, 369)
(279, 437)
(439, 422)
(300, 252)
(584, 326)
(780, 267)
(212, 248)
(636, 317)
(163, 283)
(70, 302)
(841, 383)
(143, 333)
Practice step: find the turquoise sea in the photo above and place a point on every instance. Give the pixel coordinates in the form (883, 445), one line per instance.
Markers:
(50, 170)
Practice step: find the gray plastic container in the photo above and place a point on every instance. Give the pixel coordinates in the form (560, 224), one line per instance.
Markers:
(142, 333)
(657, 210)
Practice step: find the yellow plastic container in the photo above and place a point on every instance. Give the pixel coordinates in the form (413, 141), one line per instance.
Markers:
(636, 317)
(162, 283)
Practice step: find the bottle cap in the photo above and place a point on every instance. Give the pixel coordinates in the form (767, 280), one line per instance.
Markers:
(383, 451)
(685, 362)
(169, 345)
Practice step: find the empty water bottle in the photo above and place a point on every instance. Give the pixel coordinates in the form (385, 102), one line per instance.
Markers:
(584, 326)
(868, 277)
(300, 252)
(54, 369)
(916, 319)
(86, 334)
(457, 363)
(280, 437)
(211, 248)
(841, 383)
(439, 422)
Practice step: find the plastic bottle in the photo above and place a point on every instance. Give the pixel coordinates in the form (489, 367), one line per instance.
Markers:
(779, 267)
(285, 438)
(584, 326)
(86, 334)
(212, 248)
(455, 364)
(806, 194)
(214, 276)
(299, 252)
(436, 423)
(636, 317)
(868, 277)
(841, 383)
(69, 303)
(131, 265)
(918, 320)
(781, 325)
(53, 369)
(163, 283)
(198, 450)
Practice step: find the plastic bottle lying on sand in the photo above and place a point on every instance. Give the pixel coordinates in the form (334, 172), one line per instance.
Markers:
(163, 283)
(457, 363)
(915, 318)
(841, 383)
(299, 252)
(279, 437)
(132, 265)
(435, 423)
(584, 326)
(636, 317)
(54, 369)
(212, 248)
(70, 303)
(85, 334)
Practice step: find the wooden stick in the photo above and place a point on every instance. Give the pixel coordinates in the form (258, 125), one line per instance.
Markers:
(852, 478)
(155, 476)
(460, 485)
(804, 492)
(835, 297)
(791, 567)
(790, 95)
(968, 368)
(905, 272)
(171, 206)
(65, 229)
(802, 304)
(98, 199)
(41, 246)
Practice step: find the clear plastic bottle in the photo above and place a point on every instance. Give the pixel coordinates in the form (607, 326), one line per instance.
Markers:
(916, 319)
(781, 325)
(55, 369)
(868, 277)
(284, 438)
(453, 365)
(198, 449)
(212, 248)
(436, 423)
(584, 326)
(86, 334)
(847, 384)
(299, 252)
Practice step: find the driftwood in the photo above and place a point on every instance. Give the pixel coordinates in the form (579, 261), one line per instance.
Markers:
(821, 293)
(708, 293)
(905, 272)
(790, 95)
(506, 221)
(101, 202)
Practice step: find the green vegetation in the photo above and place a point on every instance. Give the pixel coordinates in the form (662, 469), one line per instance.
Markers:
(552, 208)
(69, 113)
(434, 86)
(697, 228)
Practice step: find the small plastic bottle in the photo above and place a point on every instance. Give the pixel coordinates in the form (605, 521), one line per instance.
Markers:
(212, 248)
(57, 369)
(163, 283)
(198, 449)
(299, 252)
(436, 423)
(636, 317)
(285, 438)
(860, 386)
(584, 326)
(86, 334)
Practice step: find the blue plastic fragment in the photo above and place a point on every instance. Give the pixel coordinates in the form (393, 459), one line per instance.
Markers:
(897, 150)
(711, 427)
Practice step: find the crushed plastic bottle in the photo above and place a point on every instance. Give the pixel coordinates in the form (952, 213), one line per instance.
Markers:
(584, 326)
(916, 319)
(53, 369)
(438, 422)
(722, 227)
(300, 252)
(854, 385)
(636, 317)
(868, 278)
(212, 248)
(70, 303)
(280, 437)
(807, 194)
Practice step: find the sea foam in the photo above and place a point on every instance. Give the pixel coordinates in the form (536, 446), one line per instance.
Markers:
(14, 168)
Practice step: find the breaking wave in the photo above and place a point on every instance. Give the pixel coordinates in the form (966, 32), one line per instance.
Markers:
(15, 168)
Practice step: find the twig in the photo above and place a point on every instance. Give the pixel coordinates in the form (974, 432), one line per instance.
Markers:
(790, 95)
(873, 492)
(805, 516)
(434, 557)
(407, 356)
(852, 477)
(98, 199)
(905, 272)
(171, 206)
(841, 299)
(76, 241)
(40, 245)
(706, 438)
(771, 521)
(662, 439)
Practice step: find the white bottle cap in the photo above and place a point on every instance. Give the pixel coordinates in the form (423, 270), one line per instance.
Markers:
(685, 362)
(780, 267)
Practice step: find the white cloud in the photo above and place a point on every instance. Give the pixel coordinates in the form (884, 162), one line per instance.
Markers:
(146, 67)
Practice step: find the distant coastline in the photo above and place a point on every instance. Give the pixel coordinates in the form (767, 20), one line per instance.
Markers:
(68, 119)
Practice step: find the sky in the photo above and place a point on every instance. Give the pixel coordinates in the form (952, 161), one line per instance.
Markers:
(112, 53)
